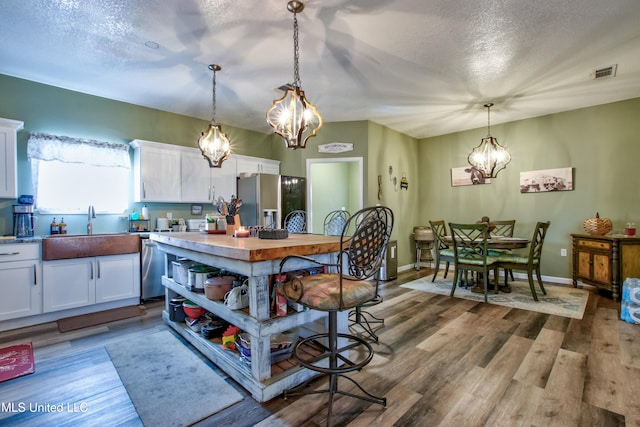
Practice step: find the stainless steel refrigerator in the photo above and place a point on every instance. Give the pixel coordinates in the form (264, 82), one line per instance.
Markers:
(268, 198)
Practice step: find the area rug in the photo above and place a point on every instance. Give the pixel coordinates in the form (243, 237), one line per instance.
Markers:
(92, 319)
(16, 361)
(169, 384)
(560, 300)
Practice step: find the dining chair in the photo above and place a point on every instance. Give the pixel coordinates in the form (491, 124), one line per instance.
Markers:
(502, 228)
(528, 263)
(442, 251)
(334, 222)
(296, 222)
(470, 254)
(350, 282)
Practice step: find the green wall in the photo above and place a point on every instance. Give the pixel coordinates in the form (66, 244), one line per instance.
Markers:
(380, 147)
(600, 143)
(390, 148)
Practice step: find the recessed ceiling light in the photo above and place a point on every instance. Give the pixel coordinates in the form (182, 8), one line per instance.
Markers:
(152, 45)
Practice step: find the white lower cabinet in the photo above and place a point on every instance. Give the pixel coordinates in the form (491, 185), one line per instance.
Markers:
(78, 282)
(118, 277)
(20, 281)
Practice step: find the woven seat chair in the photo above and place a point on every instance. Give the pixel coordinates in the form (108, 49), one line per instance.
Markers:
(528, 263)
(470, 254)
(296, 222)
(344, 287)
(362, 321)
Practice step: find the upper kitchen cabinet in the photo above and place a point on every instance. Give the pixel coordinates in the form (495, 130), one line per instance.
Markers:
(8, 158)
(248, 164)
(202, 183)
(156, 172)
(177, 174)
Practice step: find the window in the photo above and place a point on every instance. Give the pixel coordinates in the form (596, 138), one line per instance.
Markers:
(69, 174)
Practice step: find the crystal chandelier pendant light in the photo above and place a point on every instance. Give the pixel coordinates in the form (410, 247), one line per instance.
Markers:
(489, 157)
(293, 116)
(213, 143)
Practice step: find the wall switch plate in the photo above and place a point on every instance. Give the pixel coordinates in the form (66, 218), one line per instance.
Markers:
(563, 252)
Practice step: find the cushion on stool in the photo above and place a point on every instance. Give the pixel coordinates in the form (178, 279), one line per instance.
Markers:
(322, 291)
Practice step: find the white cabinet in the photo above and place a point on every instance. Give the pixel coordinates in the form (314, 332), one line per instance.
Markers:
(118, 277)
(195, 177)
(223, 180)
(68, 283)
(20, 280)
(156, 172)
(8, 158)
(78, 282)
(202, 183)
(176, 174)
(248, 164)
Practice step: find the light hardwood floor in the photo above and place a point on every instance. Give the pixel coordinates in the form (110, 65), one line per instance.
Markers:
(440, 362)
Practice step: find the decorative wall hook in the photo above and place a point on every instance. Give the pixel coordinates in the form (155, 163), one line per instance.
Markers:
(404, 183)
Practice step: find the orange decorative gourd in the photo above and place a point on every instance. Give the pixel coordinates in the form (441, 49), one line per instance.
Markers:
(598, 226)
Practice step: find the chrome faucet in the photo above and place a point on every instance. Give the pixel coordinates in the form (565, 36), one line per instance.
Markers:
(90, 214)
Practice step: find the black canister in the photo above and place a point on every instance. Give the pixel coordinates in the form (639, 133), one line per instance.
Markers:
(176, 312)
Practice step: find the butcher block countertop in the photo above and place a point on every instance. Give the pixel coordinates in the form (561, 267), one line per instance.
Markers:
(251, 249)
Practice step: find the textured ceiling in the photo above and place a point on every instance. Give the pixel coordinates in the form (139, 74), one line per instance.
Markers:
(422, 67)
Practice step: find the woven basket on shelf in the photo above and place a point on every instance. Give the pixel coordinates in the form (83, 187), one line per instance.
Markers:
(598, 226)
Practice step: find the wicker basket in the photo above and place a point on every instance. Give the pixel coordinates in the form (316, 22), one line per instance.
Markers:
(598, 226)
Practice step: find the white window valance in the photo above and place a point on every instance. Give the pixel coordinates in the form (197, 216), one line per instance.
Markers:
(42, 146)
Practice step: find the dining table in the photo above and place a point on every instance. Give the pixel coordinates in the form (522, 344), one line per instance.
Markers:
(500, 243)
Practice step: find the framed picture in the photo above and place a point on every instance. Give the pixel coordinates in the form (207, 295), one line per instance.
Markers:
(196, 209)
(467, 175)
(546, 180)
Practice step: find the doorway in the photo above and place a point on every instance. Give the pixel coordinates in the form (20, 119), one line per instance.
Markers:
(335, 183)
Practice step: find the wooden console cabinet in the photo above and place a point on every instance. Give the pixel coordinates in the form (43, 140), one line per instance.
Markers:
(605, 261)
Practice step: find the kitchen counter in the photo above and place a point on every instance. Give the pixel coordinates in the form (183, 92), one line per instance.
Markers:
(257, 259)
(13, 239)
(250, 249)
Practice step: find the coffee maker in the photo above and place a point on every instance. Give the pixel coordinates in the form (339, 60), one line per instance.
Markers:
(23, 220)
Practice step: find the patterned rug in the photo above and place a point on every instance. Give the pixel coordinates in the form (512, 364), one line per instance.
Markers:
(16, 361)
(561, 300)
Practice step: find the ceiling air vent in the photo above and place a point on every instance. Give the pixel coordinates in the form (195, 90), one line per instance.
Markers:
(604, 72)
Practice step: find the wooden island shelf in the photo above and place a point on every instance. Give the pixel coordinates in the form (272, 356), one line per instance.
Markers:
(257, 259)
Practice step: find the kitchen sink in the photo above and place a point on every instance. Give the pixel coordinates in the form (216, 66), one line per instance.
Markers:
(64, 246)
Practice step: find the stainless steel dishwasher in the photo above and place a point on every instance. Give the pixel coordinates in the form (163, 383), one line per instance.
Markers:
(152, 264)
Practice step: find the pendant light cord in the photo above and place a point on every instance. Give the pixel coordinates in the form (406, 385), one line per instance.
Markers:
(213, 96)
(489, 105)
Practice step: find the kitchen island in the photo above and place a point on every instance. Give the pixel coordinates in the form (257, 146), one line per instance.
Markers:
(257, 259)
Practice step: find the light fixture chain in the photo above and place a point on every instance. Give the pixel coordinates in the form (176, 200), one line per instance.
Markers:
(296, 68)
